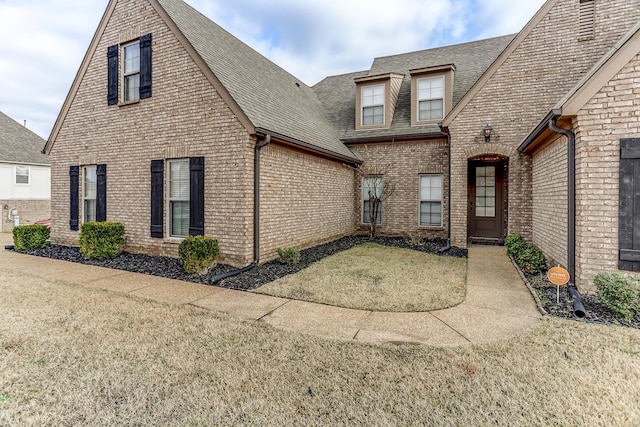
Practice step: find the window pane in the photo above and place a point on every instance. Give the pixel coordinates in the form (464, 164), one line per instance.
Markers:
(89, 210)
(373, 115)
(431, 214)
(486, 191)
(431, 88)
(366, 211)
(179, 180)
(90, 180)
(179, 219)
(431, 110)
(372, 95)
(132, 87)
(132, 58)
(22, 174)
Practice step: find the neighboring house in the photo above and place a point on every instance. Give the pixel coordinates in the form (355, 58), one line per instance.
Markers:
(174, 127)
(25, 176)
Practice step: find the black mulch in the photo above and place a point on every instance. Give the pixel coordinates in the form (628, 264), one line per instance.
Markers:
(171, 267)
(595, 312)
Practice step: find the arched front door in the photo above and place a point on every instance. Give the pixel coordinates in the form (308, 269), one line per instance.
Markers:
(487, 205)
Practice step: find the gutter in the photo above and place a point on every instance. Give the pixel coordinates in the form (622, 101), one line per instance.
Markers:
(256, 215)
(307, 146)
(578, 306)
(408, 137)
(447, 246)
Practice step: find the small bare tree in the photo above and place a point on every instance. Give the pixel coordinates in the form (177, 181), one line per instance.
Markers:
(376, 188)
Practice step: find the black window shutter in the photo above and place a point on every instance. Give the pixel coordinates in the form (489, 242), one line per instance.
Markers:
(101, 193)
(157, 198)
(629, 217)
(74, 193)
(196, 196)
(145, 66)
(112, 78)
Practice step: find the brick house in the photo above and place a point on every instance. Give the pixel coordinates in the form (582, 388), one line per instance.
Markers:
(25, 176)
(174, 127)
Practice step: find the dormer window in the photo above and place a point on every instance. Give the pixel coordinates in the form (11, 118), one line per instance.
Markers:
(431, 98)
(373, 105)
(376, 98)
(431, 94)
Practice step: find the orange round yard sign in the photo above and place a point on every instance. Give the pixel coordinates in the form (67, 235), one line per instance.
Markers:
(558, 276)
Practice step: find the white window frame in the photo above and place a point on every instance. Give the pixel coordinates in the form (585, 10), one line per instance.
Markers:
(135, 96)
(176, 199)
(85, 198)
(28, 174)
(431, 98)
(430, 199)
(366, 200)
(373, 104)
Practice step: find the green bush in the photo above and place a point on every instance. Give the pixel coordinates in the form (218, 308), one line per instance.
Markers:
(620, 294)
(101, 240)
(530, 259)
(289, 256)
(198, 254)
(513, 243)
(30, 237)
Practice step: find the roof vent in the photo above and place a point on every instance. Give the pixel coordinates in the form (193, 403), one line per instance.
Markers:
(586, 28)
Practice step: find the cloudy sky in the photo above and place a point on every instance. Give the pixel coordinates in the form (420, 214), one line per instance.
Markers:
(42, 42)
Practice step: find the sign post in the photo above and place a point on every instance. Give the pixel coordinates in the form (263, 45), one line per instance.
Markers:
(558, 276)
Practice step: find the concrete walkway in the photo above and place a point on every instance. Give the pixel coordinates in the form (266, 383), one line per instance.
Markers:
(498, 304)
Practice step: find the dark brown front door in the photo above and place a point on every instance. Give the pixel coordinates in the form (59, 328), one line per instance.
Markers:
(487, 200)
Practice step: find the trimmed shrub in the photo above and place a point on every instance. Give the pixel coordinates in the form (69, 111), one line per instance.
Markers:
(289, 256)
(513, 243)
(530, 259)
(30, 237)
(101, 240)
(620, 294)
(198, 254)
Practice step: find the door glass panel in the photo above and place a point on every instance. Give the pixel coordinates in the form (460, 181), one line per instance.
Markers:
(486, 191)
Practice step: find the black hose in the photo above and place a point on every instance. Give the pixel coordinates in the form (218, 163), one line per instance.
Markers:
(578, 306)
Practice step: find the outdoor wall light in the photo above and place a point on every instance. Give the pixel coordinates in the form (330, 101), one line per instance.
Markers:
(486, 131)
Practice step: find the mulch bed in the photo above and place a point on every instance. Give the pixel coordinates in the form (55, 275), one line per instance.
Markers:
(595, 312)
(171, 267)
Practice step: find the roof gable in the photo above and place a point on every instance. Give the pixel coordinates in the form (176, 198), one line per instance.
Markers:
(20, 145)
(262, 95)
(493, 68)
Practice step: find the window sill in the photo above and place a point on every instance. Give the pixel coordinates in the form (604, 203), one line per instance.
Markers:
(431, 227)
(127, 103)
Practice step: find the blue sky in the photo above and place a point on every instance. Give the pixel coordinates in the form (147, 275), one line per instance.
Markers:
(42, 42)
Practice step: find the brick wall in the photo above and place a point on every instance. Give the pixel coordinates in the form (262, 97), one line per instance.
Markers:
(611, 115)
(535, 76)
(29, 212)
(304, 200)
(550, 201)
(184, 118)
(403, 163)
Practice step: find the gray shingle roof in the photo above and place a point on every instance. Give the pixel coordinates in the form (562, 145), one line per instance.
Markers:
(19, 145)
(271, 98)
(337, 93)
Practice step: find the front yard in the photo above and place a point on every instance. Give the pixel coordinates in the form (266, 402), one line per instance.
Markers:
(378, 278)
(75, 356)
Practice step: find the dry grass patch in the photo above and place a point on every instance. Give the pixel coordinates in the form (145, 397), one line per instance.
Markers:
(76, 356)
(378, 278)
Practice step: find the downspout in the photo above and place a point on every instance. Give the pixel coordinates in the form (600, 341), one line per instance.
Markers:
(256, 215)
(578, 306)
(447, 246)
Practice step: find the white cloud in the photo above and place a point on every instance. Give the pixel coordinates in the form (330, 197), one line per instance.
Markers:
(44, 41)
